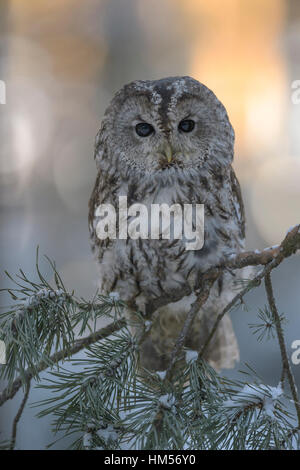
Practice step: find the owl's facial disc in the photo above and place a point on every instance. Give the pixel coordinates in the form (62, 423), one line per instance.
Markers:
(162, 145)
(174, 125)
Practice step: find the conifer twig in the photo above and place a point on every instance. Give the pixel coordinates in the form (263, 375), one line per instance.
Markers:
(18, 416)
(196, 306)
(270, 258)
(81, 343)
(284, 355)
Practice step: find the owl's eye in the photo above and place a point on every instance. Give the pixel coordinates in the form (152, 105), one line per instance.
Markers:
(186, 125)
(143, 129)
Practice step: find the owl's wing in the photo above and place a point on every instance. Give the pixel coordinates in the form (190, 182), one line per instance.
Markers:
(238, 203)
(94, 202)
(101, 193)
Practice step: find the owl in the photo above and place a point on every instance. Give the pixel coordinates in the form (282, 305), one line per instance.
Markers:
(169, 141)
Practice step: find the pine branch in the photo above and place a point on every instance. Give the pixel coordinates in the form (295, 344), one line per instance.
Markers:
(18, 415)
(289, 246)
(196, 306)
(163, 400)
(82, 343)
(284, 355)
(271, 258)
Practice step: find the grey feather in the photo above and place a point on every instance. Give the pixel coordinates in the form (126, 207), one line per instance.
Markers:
(159, 276)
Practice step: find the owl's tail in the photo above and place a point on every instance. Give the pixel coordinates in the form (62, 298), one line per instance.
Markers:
(222, 351)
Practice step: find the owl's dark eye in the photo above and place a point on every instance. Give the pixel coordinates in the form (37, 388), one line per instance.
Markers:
(186, 125)
(143, 129)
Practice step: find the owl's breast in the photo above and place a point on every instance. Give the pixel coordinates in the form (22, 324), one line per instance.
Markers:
(162, 266)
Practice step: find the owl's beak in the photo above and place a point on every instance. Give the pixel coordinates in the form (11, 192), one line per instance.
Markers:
(168, 152)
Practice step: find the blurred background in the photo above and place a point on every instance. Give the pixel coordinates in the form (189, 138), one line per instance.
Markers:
(62, 60)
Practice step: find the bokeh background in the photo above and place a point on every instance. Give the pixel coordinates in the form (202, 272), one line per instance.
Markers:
(62, 60)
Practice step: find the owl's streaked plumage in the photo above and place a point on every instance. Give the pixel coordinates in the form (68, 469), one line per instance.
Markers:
(173, 164)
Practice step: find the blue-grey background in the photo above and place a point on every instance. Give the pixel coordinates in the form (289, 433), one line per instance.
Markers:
(62, 60)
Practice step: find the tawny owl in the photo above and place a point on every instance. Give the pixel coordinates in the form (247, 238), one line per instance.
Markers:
(169, 141)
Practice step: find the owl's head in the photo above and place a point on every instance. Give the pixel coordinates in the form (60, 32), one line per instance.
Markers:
(164, 127)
